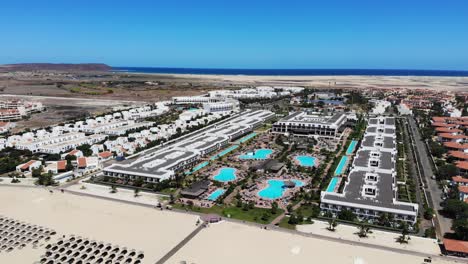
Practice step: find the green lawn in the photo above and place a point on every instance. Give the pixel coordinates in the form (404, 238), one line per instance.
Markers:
(284, 224)
(252, 215)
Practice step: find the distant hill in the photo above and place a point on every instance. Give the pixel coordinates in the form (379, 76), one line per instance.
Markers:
(55, 67)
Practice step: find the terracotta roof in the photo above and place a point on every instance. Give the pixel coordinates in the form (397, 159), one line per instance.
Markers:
(27, 164)
(459, 154)
(2, 124)
(448, 130)
(105, 154)
(463, 189)
(462, 165)
(61, 165)
(451, 136)
(456, 245)
(73, 152)
(459, 179)
(441, 124)
(455, 145)
(82, 162)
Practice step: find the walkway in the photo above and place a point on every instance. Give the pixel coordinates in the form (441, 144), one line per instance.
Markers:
(180, 245)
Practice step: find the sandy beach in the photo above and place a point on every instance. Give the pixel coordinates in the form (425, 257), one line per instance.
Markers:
(352, 81)
(152, 231)
(236, 243)
(157, 232)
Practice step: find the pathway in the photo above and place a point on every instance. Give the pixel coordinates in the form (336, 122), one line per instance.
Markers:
(181, 244)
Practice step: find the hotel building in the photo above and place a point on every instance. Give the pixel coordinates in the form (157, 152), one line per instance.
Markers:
(306, 124)
(164, 162)
(370, 189)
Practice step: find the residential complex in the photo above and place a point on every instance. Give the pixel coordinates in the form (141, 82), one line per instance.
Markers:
(370, 189)
(12, 110)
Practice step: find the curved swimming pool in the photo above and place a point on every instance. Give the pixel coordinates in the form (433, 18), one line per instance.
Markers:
(216, 194)
(276, 189)
(306, 161)
(225, 175)
(257, 154)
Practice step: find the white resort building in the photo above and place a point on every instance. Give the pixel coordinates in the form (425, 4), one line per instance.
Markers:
(163, 162)
(304, 124)
(371, 188)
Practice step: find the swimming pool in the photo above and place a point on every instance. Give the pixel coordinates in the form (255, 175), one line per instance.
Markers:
(332, 185)
(224, 152)
(276, 189)
(306, 161)
(198, 167)
(351, 147)
(244, 139)
(193, 109)
(340, 168)
(226, 175)
(257, 154)
(215, 195)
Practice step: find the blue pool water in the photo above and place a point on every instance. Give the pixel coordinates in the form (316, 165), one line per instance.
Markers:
(226, 175)
(351, 147)
(244, 139)
(215, 195)
(332, 185)
(257, 154)
(224, 152)
(275, 189)
(306, 161)
(198, 167)
(340, 168)
(193, 109)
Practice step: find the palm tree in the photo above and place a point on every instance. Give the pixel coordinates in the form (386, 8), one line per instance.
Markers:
(113, 189)
(332, 224)
(404, 238)
(137, 191)
(364, 229)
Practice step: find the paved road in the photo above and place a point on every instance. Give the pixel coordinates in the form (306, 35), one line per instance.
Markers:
(443, 224)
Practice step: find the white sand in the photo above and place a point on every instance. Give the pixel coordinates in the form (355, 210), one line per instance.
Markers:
(352, 81)
(156, 232)
(235, 243)
(377, 237)
(121, 194)
(152, 231)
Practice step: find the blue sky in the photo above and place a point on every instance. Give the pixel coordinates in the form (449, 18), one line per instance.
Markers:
(410, 34)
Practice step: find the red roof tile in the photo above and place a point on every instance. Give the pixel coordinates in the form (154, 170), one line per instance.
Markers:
(82, 162)
(459, 154)
(451, 136)
(442, 124)
(456, 245)
(459, 179)
(448, 130)
(61, 165)
(462, 165)
(463, 189)
(27, 164)
(455, 145)
(105, 154)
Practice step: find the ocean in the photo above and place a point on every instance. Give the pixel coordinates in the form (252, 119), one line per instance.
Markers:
(293, 72)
